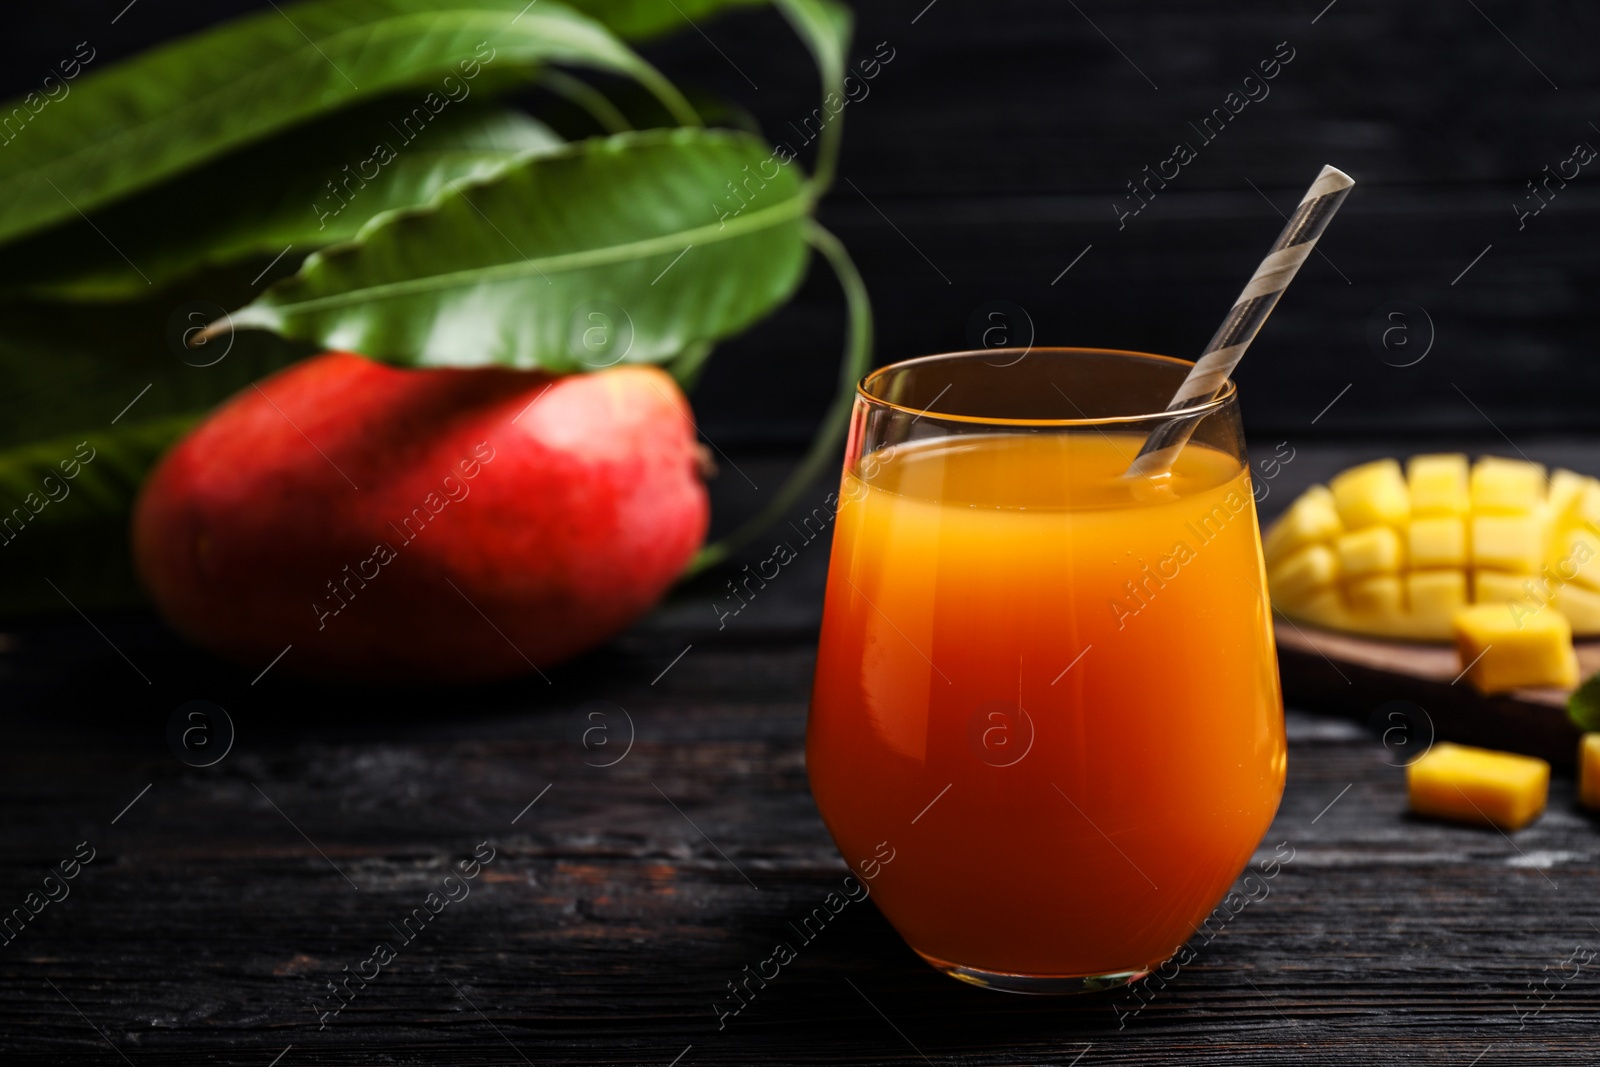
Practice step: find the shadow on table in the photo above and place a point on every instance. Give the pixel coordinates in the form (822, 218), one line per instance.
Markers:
(857, 978)
(120, 687)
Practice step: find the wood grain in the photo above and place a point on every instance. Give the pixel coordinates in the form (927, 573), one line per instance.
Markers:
(610, 921)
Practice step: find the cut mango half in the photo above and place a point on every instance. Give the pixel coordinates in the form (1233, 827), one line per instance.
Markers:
(1394, 551)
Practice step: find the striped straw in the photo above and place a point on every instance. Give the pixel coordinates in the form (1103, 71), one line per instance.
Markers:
(1260, 296)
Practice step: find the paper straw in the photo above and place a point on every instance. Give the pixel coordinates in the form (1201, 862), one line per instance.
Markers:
(1255, 303)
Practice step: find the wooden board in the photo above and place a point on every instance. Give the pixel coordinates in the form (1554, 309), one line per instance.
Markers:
(617, 911)
(1367, 677)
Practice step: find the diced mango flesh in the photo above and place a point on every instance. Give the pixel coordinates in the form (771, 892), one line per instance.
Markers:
(1375, 550)
(1370, 494)
(1438, 542)
(1589, 771)
(1587, 510)
(1508, 542)
(1575, 557)
(1501, 649)
(1312, 568)
(1498, 587)
(1513, 486)
(1581, 607)
(1435, 596)
(1476, 785)
(1378, 595)
(1513, 537)
(1310, 520)
(1566, 490)
(1438, 485)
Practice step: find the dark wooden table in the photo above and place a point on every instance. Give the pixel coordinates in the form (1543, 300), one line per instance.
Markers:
(621, 899)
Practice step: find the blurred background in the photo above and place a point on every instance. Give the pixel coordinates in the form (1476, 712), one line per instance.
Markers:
(986, 174)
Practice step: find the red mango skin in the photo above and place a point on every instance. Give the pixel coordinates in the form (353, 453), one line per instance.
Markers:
(524, 518)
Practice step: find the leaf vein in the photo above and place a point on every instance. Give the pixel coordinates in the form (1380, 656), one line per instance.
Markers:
(269, 314)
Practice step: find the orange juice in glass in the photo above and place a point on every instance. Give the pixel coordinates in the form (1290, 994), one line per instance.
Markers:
(1051, 691)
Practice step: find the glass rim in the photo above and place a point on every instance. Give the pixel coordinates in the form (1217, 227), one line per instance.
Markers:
(864, 389)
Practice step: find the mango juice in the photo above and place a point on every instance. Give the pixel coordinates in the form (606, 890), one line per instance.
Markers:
(1053, 693)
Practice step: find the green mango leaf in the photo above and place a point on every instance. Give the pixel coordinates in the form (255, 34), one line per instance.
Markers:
(823, 453)
(514, 270)
(642, 19)
(586, 98)
(825, 27)
(687, 366)
(143, 121)
(1583, 706)
(244, 208)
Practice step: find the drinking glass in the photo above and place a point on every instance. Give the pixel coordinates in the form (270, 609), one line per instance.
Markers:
(1046, 727)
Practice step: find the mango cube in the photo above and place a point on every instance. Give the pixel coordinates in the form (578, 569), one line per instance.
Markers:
(1508, 542)
(1575, 557)
(1310, 520)
(1507, 485)
(1581, 607)
(1566, 490)
(1586, 510)
(1505, 647)
(1324, 605)
(1589, 771)
(1377, 595)
(1498, 587)
(1438, 484)
(1476, 785)
(1435, 596)
(1303, 573)
(1370, 495)
(1440, 542)
(1375, 550)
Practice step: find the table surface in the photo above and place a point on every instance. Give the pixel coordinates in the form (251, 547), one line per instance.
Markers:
(621, 899)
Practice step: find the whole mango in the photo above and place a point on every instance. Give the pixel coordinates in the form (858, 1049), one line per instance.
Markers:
(396, 524)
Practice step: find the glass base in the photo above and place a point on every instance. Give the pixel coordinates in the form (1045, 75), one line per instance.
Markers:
(1036, 984)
